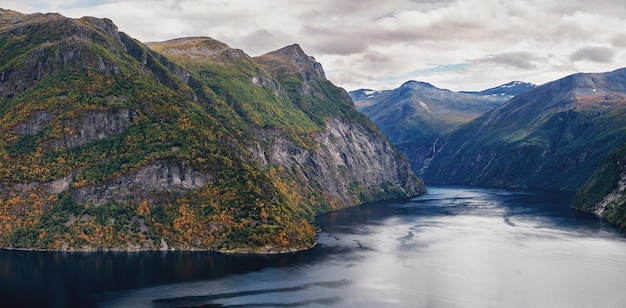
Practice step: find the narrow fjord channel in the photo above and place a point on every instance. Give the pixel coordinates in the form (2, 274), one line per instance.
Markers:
(455, 247)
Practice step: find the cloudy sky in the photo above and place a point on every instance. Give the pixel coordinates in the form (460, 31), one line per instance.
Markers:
(453, 44)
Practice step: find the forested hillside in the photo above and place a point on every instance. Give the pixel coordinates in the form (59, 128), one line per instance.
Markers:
(106, 144)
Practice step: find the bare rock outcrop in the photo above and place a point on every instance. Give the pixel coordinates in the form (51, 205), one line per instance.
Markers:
(349, 156)
(161, 176)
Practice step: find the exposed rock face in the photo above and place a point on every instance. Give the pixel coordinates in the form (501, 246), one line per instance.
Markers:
(198, 146)
(352, 161)
(613, 199)
(307, 66)
(347, 154)
(95, 125)
(159, 177)
(37, 122)
(291, 64)
(52, 49)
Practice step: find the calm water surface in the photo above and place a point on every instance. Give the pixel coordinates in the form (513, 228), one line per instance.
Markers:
(455, 247)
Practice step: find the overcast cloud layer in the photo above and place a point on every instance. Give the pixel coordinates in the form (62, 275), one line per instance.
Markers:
(454, 44)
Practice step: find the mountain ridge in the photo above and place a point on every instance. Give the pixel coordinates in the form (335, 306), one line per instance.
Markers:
(418, 116)
(568, 125)
(567, 134)
(106, 144)
(507, 90)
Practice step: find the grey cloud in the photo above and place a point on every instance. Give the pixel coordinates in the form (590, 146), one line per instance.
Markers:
(341, 47)
(520, 60)
(352, 79)
(602, 7)
(264, 40)
(593, 54)
(351, 6)
(374, 56)
(386, 38)
(431, 2)
(619, 40)
(334, 41)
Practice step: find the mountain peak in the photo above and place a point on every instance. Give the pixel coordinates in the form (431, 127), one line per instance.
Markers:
(293, 51)
(303, 62)
(193, 47)
(413, 83)
(362, 94)
(517, 83)
(8, 15)
(597, 82)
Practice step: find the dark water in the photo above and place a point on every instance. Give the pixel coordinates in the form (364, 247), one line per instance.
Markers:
(456, 247)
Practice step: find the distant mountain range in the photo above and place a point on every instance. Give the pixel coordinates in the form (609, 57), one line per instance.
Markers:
(554, 136)
(569, 134)
(506, 91)
(417, 116)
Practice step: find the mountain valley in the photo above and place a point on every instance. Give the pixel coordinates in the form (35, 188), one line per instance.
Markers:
(417, 116)
(553, 136)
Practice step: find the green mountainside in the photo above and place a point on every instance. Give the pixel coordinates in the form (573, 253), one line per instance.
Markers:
(417, 116)
(107, 144)
(605, 192)
(553, 137)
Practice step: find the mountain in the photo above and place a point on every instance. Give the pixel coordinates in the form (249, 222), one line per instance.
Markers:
(605, 192)
(506, 91)
(417, 116)
(363, 94)
(108, 144)
(552, 137)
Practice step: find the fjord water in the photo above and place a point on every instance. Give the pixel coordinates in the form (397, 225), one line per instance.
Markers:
(455, 247)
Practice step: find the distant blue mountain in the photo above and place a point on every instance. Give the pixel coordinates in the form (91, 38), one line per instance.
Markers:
(417, 115)
(506, 91)
(554, 136)
(363, 94)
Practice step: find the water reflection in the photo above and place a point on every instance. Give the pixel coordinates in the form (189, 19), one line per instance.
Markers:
(71, 279)
(463, 247)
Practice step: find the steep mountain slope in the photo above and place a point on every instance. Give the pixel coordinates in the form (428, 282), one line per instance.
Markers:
(106, 144)
(605, 192)
(417, 116)
(554, 136)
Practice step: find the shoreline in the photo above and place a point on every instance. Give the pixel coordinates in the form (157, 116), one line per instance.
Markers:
(131, 251)
(242, 251)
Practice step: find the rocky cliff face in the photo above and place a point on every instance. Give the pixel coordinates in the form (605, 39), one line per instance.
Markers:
(158, 177)
(93, 125)
(48, 43)
(353, 161)
(196, 146)
(346, 157)
(352, 164)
